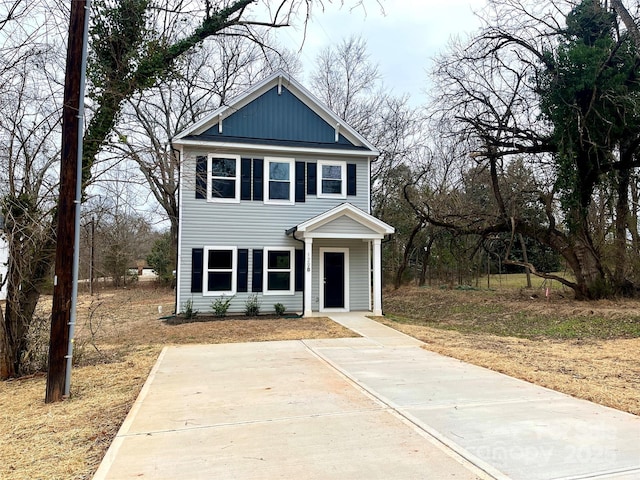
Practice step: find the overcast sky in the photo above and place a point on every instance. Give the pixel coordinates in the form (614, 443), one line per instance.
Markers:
(402, 40)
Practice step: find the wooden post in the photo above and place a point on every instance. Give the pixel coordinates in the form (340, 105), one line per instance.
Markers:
(63, 280)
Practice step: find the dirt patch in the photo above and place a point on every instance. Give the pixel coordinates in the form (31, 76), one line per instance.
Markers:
(587, 350)
(118, 339)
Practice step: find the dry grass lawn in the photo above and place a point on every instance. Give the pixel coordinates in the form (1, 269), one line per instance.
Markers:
(119, 337)
(587, 350)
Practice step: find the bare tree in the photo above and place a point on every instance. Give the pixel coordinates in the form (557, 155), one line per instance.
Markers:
(349, 83)
(508, 93)
(203, 80)
(29, 142)
(630, 23)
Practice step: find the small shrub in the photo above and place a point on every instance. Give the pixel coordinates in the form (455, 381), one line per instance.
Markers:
(280, 309)
(221, 305)
(466, 288)
(187, 310)
(252, 306)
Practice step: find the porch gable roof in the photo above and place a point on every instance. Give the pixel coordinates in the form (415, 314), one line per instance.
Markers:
(370, 226)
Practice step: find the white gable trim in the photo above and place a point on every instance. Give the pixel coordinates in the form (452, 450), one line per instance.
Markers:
(276, 149)
(279, 79)
(378, 228)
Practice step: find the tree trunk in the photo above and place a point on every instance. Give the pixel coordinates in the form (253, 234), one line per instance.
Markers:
(7, 367)
(628, 21)
(405, 258)
(577, 250)
(19, 310)
(525, 258)
(30, 261)
(590, 277)
(633, 217)
(426, 257)
(621, 284)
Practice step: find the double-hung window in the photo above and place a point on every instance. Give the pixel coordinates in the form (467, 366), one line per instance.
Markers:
(220, 270)
(278, 177)
(331, 179)
(279, 271)
(224, 178)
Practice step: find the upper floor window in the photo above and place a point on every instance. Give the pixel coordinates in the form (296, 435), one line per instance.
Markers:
(331, 179)
(220, 270)
(278, 174)
(224, 179)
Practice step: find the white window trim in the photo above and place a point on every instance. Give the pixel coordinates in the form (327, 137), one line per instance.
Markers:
(292, 180)
(206, 270)
(292, 271)
(210, 198)
(343, 179)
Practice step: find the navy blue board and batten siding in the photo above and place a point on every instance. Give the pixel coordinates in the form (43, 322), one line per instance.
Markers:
(273, 119)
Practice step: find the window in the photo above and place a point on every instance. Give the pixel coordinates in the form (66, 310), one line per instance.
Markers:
(279, 183)
(331, 179)
(224, 182)
(220, 270)
(278, 271)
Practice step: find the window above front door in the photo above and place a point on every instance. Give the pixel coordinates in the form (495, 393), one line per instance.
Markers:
(331, 179)
(278, 178)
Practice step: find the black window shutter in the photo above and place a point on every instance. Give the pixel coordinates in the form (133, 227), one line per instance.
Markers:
(256, 283)
(243, 270)
(299, 281)
(245, 179)
(197, 261)
(300, 181)
(351, 178)
(312, 169)
(258, 174)
(201, 177)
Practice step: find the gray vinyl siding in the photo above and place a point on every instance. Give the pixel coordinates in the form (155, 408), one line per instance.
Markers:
(358, 272)
(344, 225)
(256, 225)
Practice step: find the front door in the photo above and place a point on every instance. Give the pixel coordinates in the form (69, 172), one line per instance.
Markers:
(334, 280)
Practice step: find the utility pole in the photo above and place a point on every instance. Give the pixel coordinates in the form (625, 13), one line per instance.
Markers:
(68, 205)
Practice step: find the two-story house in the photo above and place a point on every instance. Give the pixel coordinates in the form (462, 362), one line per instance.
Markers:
(275, 202)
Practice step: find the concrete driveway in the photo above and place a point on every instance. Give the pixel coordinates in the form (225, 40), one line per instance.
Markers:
(377, 407)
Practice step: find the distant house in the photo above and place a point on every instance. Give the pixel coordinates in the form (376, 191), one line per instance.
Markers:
(275, 202)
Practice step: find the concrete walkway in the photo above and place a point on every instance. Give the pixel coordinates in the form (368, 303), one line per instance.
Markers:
(377, 407)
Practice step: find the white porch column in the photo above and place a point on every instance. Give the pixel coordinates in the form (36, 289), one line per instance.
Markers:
(308, 275)
(377, 276)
